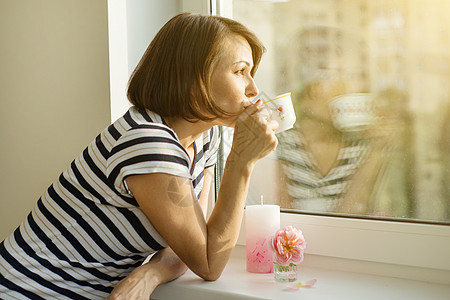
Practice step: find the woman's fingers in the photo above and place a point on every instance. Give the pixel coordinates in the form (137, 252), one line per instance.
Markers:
(251, 109)
(265, 114)
(272, 125)
(254, 135)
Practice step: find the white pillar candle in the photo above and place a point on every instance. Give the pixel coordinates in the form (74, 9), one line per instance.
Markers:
(261, 222)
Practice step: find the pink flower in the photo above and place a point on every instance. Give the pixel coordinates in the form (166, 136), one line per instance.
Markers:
(288, 244)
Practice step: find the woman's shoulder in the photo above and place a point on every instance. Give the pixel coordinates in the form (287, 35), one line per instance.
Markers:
(142, 121)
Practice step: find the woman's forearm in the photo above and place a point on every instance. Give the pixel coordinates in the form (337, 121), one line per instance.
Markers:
(164, 266)
(225, 221)
(252, 140)
(167, 266)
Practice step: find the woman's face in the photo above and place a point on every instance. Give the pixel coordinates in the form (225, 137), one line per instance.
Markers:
(232, 85)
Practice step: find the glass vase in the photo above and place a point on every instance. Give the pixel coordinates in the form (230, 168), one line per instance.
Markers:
(285, 273)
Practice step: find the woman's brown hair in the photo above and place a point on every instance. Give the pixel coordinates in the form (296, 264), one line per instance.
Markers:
(173, 77)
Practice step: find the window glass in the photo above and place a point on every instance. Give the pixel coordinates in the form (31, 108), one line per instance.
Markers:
(370, 88)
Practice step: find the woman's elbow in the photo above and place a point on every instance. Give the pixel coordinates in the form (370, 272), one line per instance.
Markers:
(210, 276)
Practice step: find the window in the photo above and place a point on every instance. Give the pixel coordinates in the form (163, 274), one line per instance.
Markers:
(323, 54)
(390, 189)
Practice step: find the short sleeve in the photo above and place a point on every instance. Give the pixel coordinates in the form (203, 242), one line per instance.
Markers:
(213, 146)
(145, 149)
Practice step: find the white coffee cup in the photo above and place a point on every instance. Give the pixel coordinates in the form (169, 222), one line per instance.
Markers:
(352, 112)
(279, 109)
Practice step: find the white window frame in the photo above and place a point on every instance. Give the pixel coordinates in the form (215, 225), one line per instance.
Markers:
(404, 249)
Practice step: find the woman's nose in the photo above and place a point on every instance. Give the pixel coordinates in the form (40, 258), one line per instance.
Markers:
(251, 90)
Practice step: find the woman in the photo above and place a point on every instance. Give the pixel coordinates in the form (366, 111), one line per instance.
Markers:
(140, 186)
(330, 170)
(324, 169)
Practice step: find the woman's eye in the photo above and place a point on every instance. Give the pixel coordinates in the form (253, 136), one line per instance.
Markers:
(240, 72)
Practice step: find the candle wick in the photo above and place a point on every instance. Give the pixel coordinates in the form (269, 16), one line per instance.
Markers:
(262, 200)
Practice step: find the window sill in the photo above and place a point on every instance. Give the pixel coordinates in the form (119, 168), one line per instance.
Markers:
(236, 283)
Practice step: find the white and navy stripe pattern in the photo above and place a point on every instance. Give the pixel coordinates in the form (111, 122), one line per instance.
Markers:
(307, 189)
(87, 231)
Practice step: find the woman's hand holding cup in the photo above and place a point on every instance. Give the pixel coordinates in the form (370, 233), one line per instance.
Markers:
(254, 135)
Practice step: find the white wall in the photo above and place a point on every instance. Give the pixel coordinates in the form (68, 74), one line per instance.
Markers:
(55, 85)
(54, 94)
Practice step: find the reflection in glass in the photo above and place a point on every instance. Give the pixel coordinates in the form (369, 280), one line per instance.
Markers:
(392, 53)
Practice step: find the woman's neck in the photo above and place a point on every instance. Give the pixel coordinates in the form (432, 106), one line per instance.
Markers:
(186, 131)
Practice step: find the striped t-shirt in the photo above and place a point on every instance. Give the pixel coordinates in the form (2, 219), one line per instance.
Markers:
(307, 189)
(87, 231)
